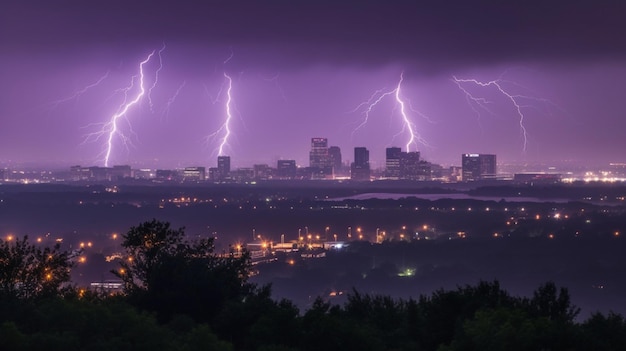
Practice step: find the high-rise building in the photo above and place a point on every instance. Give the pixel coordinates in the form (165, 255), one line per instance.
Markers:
(360, 169)
(334, 154)
(478, 166)
(319, 160)
(223, 167)
(318, 156)
(392, 162)
(286, 169)
(410, 167)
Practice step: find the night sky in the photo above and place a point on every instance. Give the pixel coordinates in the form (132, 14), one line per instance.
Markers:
(302, 69)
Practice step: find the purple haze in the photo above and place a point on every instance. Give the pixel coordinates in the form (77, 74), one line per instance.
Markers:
(299, 70)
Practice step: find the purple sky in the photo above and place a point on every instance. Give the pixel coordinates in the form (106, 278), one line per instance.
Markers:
(301, 68)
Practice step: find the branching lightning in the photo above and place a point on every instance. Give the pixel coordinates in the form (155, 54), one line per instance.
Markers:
(402, 104)
(225, 127)
(274, 80)
(156, 79)
(478, 103)
(77, 94)
(172, 99)
(111, 129)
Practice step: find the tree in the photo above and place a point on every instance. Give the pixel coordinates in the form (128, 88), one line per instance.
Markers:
(546, 302)
(166, 273)
(27, 271)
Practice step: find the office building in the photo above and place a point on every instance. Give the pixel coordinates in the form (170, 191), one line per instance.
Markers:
(478, 167)
(334, 154)
(392, 162)
(319, 159)
(410, 166)
(360, 169)
(223, 167)
(194, 174)
(286, 169)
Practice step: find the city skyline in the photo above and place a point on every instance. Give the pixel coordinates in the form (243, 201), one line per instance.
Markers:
(532, 82)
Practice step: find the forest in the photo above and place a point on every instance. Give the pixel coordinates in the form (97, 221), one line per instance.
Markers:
(179, 294)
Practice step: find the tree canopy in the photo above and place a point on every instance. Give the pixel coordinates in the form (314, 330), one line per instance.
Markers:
(165, 272)
(28, 271)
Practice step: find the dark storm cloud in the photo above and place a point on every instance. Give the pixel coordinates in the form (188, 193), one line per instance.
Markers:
(433, 34)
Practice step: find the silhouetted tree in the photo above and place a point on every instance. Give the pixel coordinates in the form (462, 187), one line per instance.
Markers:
(556, 306)
(166, 273)
(443, 313)
(28, 271)
(604, 332)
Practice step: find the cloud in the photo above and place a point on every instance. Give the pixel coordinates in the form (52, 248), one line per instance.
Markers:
(433, 35)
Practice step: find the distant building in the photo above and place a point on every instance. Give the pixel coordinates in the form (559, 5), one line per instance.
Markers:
(242, 174)
(286, 169)
(194, 174)
(120, 172)
(319, 159)
(537, 178)
(392, 162)
(410, 167)
(78, 173)
(478, 167)
(262, 172)
(223, 167)
(213, 174)
(144, 173)
(166, 175)
(99, 174)
(360, 169)
(334, 155)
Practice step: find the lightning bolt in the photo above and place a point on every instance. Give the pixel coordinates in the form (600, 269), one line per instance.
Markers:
(111, 129)
(156, 79)
(225, 127)
(478, 103)
(172, 99)
(274, 80)
(402, 104)
(77, 94)
(232, 54)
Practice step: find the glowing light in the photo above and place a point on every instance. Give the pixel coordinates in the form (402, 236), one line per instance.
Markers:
(401, 102)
